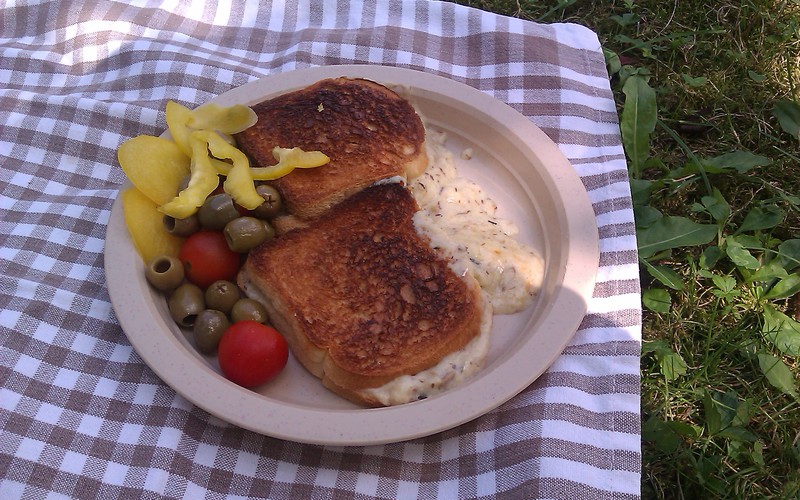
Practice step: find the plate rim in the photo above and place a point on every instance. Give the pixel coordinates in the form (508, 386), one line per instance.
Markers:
(330, 426)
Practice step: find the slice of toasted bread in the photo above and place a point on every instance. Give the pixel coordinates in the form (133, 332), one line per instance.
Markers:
(367, 130)
(361, 297)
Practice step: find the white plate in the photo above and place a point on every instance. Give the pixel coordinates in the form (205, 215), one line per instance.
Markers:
(533, 184)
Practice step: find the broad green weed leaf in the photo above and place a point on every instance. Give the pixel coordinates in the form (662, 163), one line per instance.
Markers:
(705, 273)
(736, 161)
(717, 206)
(724, 283)
(626, 19)
(710, 256)
(744, 411)
(726, 415)
(673, 232)
(715, 414)
(672, 366)
(613, 63)
(653, 345)
(778, 374)
(769, 271)
(641, 190)
(645, 47)
(740, 161)
(788, 115)
(740, 255)
(726, 287)
(766, 217)
(667, 435)
(665, 275)
(749, 241)
(656, 299)
(671, 363)
(658, 432)
(694, 81)
(784, 288)
(638, 121)
(646, 215)
(789, 254)
(707, 467)
(738, 434)
(684, 429)
(781, 330)
(757, 455)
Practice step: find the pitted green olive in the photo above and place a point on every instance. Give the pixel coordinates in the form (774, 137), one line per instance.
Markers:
(269, 229)
(222, 295)
(249, 309)
(244, 233)
(185, 303)
(272, 202)
(164, 272)
(218, 210)
(208, 329)
(182, 227)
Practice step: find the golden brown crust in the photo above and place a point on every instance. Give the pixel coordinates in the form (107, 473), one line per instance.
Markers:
(361, 297)
(367, 130)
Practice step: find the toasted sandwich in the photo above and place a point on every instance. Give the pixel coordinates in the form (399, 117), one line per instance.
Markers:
(367, 130)
(364, 300)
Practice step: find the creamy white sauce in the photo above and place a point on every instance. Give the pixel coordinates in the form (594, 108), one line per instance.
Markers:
(450, 371)
(460, 219)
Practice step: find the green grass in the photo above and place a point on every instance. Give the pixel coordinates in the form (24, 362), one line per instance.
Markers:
(719, 85)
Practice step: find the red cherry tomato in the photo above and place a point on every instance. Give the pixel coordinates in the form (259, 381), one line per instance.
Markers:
(251, 353)
(207, 258)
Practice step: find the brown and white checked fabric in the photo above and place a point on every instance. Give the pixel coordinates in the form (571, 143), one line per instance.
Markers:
(82, 416)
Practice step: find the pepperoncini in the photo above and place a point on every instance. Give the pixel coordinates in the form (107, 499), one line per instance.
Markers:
(156, 166)
(203, 138)
(227, 120)
(288, 160)
(203, 180)
(178, 117)
(238, 181)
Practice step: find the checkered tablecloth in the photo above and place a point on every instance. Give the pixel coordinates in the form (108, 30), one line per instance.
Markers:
(82, 416)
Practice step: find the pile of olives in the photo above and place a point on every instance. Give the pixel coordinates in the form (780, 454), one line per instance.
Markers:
(220, 213)
(211, 311)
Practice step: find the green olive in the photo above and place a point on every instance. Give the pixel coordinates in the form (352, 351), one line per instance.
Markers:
(216, 211)
(244, 233)
(272, 202)
(249, 309)
(208, 329)
(164, 272)
(181, 227)
(269, 229)
(222, 295)
(185, 303)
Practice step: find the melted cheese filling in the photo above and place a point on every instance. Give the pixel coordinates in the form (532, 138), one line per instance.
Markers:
(450, 371)
(461, 221)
